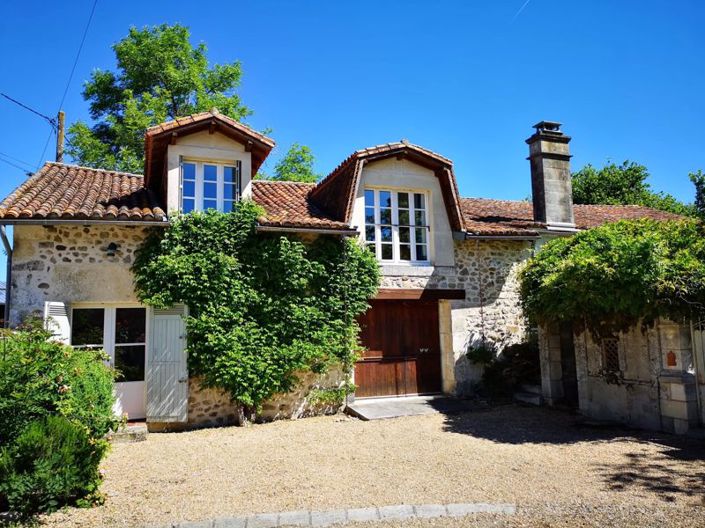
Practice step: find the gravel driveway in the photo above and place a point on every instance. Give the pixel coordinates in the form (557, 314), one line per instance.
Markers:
(556, 472)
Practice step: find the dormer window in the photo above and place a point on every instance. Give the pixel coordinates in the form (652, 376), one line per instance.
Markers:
(206, 185)
(396, 225)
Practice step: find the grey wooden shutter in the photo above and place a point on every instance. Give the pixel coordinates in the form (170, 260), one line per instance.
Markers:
(57, 321)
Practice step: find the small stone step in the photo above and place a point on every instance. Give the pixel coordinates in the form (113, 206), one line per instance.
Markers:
(129, 433)
(530, 398)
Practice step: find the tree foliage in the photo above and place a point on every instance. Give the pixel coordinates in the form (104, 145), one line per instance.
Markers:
(296, 165)
(160, 75)
(698, 179)
(262, 307)
(624, 184)
(612, 277)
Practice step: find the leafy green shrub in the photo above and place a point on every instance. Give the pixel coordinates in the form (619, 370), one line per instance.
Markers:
(262, 306)
(40, 377)
(52, 462)
(612, 277)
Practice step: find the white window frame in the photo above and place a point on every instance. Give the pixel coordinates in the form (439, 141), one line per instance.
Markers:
(109, 316)
(396, 242)
(220, 182)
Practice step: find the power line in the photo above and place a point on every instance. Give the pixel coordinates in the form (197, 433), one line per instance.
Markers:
(15, 165)
(52, 121)
(18, 160)
(78, 53)
(73, 70)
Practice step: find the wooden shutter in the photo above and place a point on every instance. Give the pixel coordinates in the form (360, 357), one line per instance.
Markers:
(167, 371)
(57, 321)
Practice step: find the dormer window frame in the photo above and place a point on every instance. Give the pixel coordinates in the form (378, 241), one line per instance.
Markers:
(410, 235)
(224, 175)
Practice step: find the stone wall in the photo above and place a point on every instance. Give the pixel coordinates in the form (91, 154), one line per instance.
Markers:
(649, 391)
(71, 264)
(491, 312)
(213, 407)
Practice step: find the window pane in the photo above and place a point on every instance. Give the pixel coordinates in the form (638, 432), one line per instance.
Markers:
(385, 216)
(227, 206)
(403, 200)
(230, 174)
(369, 198)
(403, 217)
(385, 199)
(210, 173)
(405, 252)
(129, 361)
(404, 235)
(370, 233)
(229, 191)
(419, 201)
(420, 218)
(421, 253)
(209, 204)
(188, 205)
(87, 327)
(420, 235)
(189, 171)
(130, 325)
(369, 215)
(386, 251)
(386, 233)
(189, 189)
(210, 190)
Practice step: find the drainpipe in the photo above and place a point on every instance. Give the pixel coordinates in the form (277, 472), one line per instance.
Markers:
(8, 276)
(696, 365)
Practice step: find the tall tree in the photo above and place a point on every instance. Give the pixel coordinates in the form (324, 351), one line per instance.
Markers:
(698, 179)
(624, 184)
(160, 75)
(296, 165)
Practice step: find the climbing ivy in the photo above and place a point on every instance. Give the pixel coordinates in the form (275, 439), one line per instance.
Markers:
(612, 277)
(262, 306)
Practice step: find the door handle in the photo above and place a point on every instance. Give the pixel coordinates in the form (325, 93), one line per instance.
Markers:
(424, 350)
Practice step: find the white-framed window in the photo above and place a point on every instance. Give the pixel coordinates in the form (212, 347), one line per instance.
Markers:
(120, 331)
(206, 185)
(396, 225)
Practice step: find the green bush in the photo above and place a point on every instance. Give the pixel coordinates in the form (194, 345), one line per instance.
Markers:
(263, 307)
(51, 463)
(516, 365)
(40, 378)
(615, 276)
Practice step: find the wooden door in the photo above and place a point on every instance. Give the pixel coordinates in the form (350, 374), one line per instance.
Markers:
(403, 353)
(167, 371)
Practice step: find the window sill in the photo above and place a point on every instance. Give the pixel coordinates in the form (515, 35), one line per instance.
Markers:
(416, 270)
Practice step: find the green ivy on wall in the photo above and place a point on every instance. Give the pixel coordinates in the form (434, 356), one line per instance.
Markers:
(262, 306)
(612, 277)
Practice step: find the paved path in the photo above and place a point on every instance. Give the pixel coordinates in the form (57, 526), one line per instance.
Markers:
(382, 408)
(329, 517)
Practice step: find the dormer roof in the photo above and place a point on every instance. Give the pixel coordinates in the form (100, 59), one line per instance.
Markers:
(159, 137)
(335, 194)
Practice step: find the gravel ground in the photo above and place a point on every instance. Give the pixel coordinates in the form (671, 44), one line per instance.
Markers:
(557, 473)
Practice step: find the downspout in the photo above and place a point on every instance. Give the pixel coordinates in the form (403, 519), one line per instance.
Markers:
(8, 276)
(696, 366)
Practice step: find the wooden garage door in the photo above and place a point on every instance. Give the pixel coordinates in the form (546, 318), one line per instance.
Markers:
(403, 349)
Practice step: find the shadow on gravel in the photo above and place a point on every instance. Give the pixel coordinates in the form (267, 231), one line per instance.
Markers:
(677, 469)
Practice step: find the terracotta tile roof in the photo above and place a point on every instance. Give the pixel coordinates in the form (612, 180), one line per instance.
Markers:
(287, 204)
(485, 216)
(69, 192)
(206, 116)
(335, 193)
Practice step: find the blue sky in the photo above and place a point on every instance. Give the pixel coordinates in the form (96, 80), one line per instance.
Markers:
(464, 78)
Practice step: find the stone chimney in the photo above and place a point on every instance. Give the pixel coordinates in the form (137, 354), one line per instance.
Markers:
(551, 187)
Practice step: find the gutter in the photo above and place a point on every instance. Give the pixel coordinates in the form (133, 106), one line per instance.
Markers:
(277, 229)
(85, 222)
(472, 236)
(8, 276)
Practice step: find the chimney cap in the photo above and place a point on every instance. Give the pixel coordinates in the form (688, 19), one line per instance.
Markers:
(548, 126)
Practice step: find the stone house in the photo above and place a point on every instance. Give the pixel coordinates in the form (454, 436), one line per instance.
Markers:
(449, 264)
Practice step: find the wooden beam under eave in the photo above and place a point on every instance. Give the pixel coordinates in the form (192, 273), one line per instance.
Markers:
(174, 135)
(212, 127)
(248, 146)
(418, 294)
